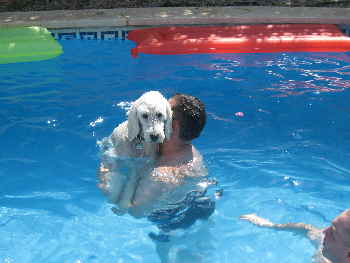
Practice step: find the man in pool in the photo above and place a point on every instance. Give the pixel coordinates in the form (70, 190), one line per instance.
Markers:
(170, 195)
(333, 242)
(179, 168)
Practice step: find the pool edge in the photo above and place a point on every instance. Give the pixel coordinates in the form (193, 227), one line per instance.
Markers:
(136, 17)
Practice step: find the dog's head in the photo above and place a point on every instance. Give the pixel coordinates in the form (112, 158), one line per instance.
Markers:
(150, 117)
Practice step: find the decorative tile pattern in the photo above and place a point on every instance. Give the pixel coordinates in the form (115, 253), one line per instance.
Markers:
(90, 34)
(67, 36)
(110, 35)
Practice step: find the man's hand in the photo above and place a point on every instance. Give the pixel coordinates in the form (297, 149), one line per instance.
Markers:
(253, 218)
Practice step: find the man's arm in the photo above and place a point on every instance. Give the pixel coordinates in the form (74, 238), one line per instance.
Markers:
(110, 182)
(151, 189)
(299, 228)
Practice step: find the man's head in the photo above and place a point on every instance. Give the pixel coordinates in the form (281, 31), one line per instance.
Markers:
(337, 239)
(189, 111)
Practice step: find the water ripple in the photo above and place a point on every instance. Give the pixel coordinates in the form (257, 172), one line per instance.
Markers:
(50, 195)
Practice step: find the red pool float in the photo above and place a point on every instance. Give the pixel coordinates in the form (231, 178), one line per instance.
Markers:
(260, 38)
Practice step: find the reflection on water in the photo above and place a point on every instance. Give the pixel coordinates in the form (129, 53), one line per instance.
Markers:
(290, 74)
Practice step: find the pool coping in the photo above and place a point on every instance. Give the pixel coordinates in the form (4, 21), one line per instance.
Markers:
(138, 17)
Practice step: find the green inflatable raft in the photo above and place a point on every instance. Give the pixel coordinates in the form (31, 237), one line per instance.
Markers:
(25, 44)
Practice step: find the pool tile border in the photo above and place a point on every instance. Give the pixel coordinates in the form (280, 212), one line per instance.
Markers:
(114, 33)
(90, 33)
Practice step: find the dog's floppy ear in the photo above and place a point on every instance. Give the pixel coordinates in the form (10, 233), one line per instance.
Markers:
(133, 122)
(168, 127)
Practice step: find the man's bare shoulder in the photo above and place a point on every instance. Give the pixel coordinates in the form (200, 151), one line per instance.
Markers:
(179, 172)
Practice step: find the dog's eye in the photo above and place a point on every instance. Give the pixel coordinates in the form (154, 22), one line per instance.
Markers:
(145, 116)
(159, 115)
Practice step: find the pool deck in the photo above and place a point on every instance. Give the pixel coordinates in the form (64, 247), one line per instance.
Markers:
(135, 17)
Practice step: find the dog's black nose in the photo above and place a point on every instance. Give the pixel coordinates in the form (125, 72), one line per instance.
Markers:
(154, 137)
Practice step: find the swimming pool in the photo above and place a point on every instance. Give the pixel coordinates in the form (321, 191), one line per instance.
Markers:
(277, 139)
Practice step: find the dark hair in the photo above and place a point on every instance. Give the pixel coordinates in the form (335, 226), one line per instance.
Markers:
(190, 111)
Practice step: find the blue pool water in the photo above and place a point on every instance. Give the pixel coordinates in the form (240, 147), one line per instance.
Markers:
(277, 138)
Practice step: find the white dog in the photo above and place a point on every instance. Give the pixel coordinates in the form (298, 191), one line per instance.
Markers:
(133, 144)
